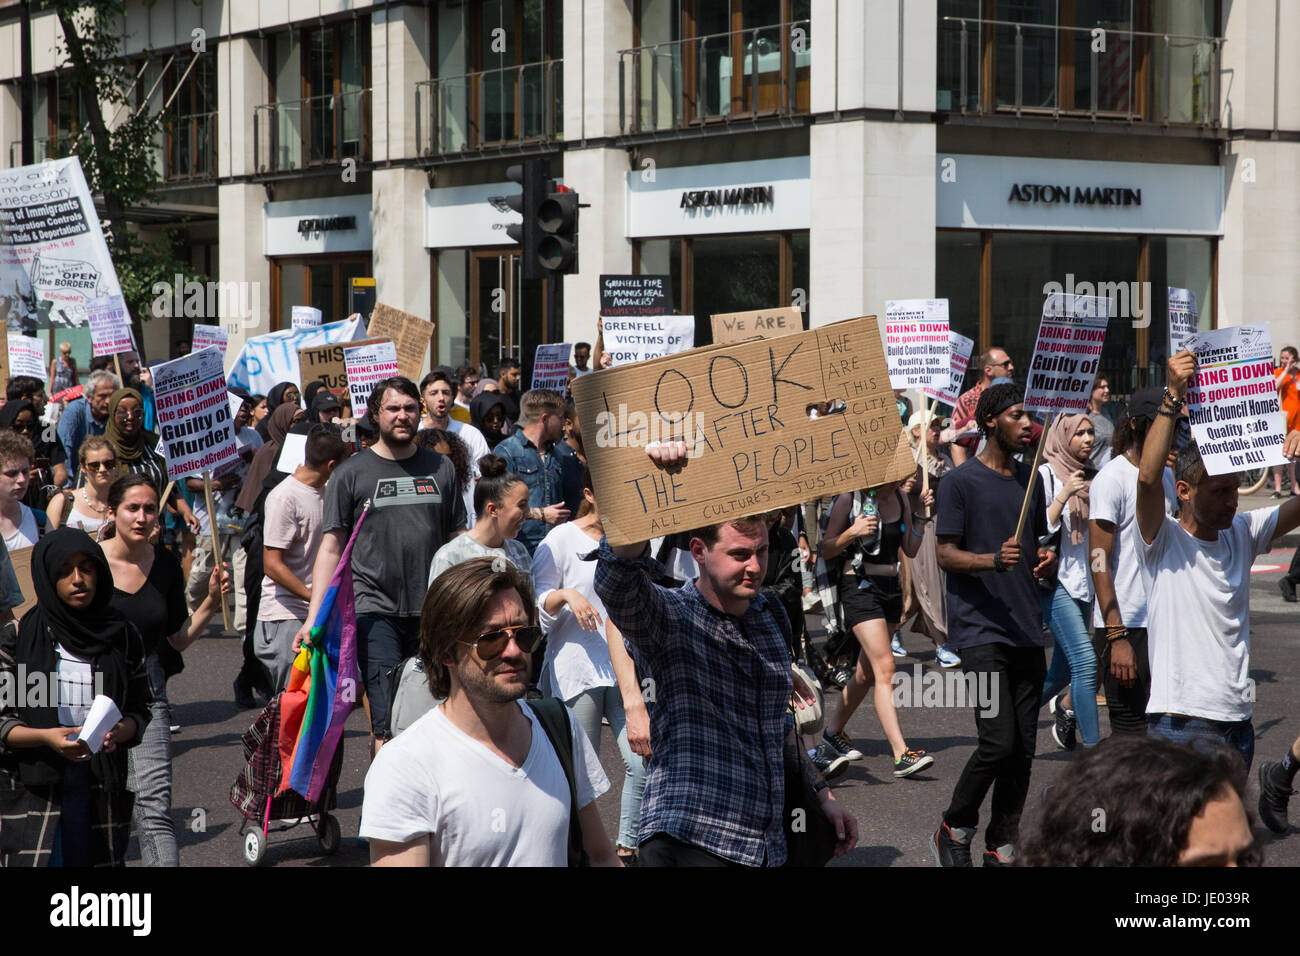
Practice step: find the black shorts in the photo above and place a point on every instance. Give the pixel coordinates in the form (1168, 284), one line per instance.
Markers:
(882, 601)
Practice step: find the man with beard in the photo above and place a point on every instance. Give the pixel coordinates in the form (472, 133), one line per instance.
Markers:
(995, 623)
(136, 377)
(478, 781)
(87, 415)
(414, 511)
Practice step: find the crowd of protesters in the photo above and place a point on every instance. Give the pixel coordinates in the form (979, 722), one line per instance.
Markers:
(479, 562)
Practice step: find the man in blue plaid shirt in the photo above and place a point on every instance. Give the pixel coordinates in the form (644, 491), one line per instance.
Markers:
(720, 734)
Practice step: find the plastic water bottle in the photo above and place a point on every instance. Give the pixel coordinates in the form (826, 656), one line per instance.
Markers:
(870, 509)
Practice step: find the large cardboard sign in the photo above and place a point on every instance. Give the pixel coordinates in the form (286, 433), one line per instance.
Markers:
(1183, 318)
(267, 360)
(194, 414)
(409, 333)
(916, 342)
(1067, 353)
(53, 257)
(950, 390)
(110, 326)
(21, 559)
(551, 366)
(27, 357)
(1232, 400)
(730, 327)
(742, 411)
(209, 336)
(366, 365)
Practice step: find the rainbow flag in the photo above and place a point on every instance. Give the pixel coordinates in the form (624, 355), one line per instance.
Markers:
(324, 686)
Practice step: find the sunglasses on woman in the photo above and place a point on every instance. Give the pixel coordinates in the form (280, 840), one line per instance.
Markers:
(101, 465)
(492, 644)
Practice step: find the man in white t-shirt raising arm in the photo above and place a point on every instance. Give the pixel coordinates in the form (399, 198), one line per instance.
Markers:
(1198, 595)
(477, 780)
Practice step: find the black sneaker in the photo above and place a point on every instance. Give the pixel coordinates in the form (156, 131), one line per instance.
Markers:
(1064, 725)
(951, 846)
(1273, 798)
(1004, 855)
(1287, 587)
(243, 697)
(828, 762)
(841, 744)
(911, 762)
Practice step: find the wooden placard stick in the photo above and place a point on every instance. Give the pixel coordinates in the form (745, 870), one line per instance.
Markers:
(216, 546)
(1029, 491)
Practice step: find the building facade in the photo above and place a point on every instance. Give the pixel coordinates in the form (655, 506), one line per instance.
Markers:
(830, 154)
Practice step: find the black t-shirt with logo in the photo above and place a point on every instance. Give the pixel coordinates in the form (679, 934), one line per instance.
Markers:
(415, 510)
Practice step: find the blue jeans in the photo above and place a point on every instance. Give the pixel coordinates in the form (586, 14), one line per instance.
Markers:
(149, 777)
(1206, 736)
(1074, 661)
(589, 707)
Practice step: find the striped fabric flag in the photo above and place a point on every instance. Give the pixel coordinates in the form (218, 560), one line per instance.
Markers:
(324, 686)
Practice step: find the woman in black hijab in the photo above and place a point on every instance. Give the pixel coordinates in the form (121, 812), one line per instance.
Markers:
(49, 466)
(487, 413)
(282, 394)
(72, 641)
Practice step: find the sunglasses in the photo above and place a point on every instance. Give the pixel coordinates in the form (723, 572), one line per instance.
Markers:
(135, 416)
(24, 426)
(101, 465)
(493, 643)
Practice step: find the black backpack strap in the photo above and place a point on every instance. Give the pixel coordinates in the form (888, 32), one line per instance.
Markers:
(554, 718)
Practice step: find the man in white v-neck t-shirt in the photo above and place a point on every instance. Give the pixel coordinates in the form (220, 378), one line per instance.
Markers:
(1198, 595)
(476, 781)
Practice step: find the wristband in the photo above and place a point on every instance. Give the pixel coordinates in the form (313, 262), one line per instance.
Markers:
(1173, 400)
(997, 563)
(921, 519)
(820, 785)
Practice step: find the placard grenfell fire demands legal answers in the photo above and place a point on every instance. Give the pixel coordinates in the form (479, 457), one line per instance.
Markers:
(194, 413)
(1232, 399)
(949, 391)
(742, 411)
(1067, 353)
(916, 342)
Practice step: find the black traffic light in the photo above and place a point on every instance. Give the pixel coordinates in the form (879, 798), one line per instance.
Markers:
(534, 176)
(557, 218)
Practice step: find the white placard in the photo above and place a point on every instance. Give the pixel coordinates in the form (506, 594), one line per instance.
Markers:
(110, 326)
(1067, 353)
(267, 360)
(210, 336)
(52, 250)
(193, 408)
(293, 452)
(950, 391)
(1183, 318)
(635, 338)
(551, 366)
(917, 348)
(365, 365)
(27, 357)
(304, 317)
(1232, 400)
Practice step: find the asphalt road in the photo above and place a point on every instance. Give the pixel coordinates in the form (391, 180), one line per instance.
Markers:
(896, 817)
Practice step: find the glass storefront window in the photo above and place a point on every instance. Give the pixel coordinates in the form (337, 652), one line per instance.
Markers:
(957, 279)
(663, 257)
(734, 274)
(1184, 263)
(451, 306)
(799, 244)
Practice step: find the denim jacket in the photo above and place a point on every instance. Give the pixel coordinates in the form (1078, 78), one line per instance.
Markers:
(551, 481)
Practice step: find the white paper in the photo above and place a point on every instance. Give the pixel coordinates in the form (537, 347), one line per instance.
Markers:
(1232, 400)
(99, 721)
(293, 452)
(27, 357)
(635, 338)
(917, 347)
(1067, 353)
(1183, 318)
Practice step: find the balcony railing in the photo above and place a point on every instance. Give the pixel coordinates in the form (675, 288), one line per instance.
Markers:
(506, 105)
(189, 147)
(43, 148)
(723, 77)
(318, 131)
(1103, 73)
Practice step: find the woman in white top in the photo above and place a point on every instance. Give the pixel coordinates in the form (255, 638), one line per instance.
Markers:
(89, 503)
(1067, 608)
(595, 677)
(500, 506)
(18, 524)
